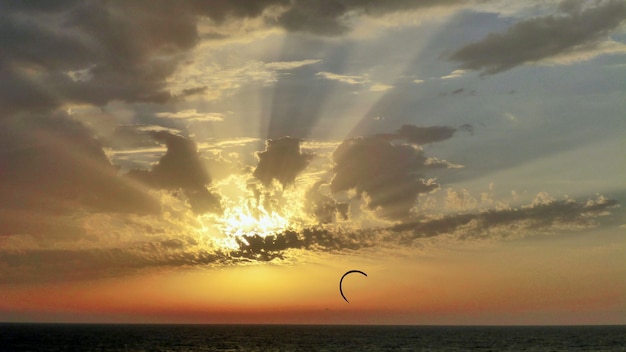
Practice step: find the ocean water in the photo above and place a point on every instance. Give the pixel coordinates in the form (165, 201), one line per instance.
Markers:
(248, 338)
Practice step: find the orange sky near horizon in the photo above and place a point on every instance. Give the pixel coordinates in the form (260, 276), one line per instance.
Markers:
(505, 284)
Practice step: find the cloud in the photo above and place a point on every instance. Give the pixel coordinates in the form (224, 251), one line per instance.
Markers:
(379, 87)
(290, 65)
(55, 164)
(96, 52)
(324, 207)
(221, 81)
(344, 78)
(454, 74)
(192, 115)
(109, 247)
(489, 225)
(282, 160)
(332, 17)
(384, 173)
(425, 135)
(540, 217)
(576, 31)
(354, 80)
(91, 52)
(180, 168)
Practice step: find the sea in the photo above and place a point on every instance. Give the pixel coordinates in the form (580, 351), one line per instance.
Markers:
(249, 338)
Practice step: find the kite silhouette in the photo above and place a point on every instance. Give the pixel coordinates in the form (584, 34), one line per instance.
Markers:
(344, 275)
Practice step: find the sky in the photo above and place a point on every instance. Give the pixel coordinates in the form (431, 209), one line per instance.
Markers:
(228, 161)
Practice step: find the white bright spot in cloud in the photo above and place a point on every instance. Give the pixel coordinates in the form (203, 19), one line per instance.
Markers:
(225, 79)
(290, 65)
(80, 75)
(455, 74)
(379, 87)
(192, 115)
(344, 78)
(509, 116)
(418, 81)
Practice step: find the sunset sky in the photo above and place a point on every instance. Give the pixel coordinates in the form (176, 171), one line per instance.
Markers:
(228, 161)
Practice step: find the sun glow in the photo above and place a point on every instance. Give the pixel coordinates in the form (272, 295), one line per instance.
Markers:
(249, 212)
(247, 220)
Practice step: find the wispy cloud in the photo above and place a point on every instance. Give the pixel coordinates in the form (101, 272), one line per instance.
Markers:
(192, 115)
(379, 87)
(290, 65)
(362, 79)
(575, 34)
(455, 74)
(170, 242)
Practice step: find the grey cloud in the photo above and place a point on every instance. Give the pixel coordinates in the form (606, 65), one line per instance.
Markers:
(546, 216)
(128, 137)
(539, 218)
(387, 173)
(96, 52)
(330, 17)
(50, 265)
(543, 37)
(181, 168)
(99, 51)
(91, 52)
(495, 224)
(181, 165)
(425, 135)
(282, 160)
(258, 248)
(323, 207)
(51, 163)
(222, 10)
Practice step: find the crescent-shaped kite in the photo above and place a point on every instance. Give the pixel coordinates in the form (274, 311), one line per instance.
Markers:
(344, 275)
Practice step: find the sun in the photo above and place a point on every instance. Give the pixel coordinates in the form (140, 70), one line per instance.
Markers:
(246, 220)
(253, 210)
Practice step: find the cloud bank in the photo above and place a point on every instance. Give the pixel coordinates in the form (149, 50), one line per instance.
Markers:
(575, 30)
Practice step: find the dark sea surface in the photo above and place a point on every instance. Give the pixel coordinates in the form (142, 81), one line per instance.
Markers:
(88, 337)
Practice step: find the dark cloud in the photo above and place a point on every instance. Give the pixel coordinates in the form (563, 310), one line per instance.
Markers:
(331, 17)
(387, 173)
(543, 37)
(99, 51)
(51, 163)
(219, 10)
(166, 251)
(541, 216)
(181, 168)
(129, 137)
(323, 207)
(95, 52)
(536, 219)
(282, 160)
(467, 128)
(425, 135)
(91, 52)
(85, 264)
